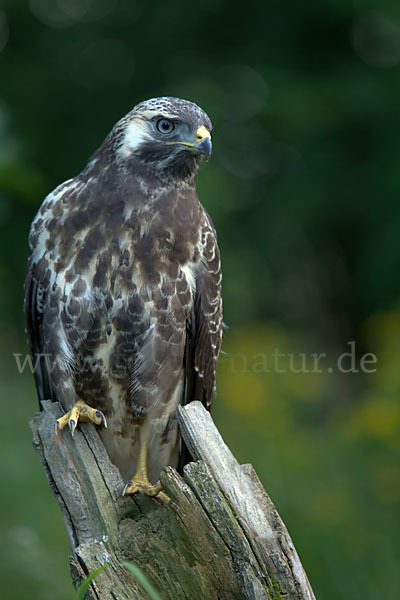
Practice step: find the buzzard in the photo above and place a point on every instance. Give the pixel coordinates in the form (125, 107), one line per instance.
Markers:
(123, 290)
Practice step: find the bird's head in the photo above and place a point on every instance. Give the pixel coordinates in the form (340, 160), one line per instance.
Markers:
(171, 136)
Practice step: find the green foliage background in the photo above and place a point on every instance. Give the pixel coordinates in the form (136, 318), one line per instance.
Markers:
(303, 187)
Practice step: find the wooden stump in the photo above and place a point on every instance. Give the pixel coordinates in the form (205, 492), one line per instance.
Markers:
(220, 537)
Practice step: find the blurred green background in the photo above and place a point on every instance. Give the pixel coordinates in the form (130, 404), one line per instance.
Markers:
(303, 188)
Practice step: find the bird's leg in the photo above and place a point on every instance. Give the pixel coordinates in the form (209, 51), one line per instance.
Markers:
(140, 481)
(80, 412)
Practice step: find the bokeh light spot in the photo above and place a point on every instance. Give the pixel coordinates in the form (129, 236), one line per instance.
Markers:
(64, 13)
(376, 39)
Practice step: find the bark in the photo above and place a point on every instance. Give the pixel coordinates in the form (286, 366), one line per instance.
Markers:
(220, 537)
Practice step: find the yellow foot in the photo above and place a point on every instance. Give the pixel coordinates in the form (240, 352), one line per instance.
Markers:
(140, 481)
(80, 412)
(139, 485)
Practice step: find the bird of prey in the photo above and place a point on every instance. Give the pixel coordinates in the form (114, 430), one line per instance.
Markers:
(123, 290)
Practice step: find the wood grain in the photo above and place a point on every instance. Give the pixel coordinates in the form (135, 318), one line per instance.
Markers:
(220, 537)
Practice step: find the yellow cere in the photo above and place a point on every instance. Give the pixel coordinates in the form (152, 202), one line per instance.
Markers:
(202, 133)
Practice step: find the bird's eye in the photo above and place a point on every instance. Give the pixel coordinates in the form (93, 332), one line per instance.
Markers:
(165, 126)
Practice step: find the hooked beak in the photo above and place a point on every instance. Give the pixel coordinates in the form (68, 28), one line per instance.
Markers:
(202, 143)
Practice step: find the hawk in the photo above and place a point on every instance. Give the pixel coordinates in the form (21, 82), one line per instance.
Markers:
(123, 290)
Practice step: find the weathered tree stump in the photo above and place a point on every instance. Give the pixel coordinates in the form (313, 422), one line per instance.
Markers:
(220, 537)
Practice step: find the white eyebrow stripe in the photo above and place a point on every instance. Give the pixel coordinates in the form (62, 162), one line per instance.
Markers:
(135, 134)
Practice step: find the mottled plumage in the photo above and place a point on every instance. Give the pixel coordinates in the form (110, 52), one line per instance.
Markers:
(123, 296)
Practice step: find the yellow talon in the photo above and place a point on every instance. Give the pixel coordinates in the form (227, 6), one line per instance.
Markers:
(140, 481)
(80, 412)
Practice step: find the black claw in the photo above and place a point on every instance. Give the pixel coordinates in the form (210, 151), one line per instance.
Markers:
(102, 417)
(128, 483)
(72, 426)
